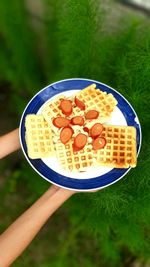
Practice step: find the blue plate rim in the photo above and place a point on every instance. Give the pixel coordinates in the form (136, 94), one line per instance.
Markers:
(74, 189)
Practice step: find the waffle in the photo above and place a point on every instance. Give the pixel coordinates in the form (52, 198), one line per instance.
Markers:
(73, 161)
(39, 138)
(120, 149)
(98, 100)
(51, 110)
(93, 99)
(119, 152)
(43, 138)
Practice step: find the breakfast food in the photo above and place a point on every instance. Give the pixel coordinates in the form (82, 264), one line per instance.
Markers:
(73, 130)
(51, 110)
(120, 148)
(116, 147)
(74, 160)
(38, 137)
(96, 104)
(98, 100)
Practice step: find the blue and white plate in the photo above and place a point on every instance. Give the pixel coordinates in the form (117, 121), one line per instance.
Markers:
(49, 169)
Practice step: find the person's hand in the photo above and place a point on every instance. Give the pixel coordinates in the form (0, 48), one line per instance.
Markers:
(19, 235)
(9, 143)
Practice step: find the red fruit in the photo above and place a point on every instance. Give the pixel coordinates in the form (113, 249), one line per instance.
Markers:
(99, 143)
(60, 122)
(66, 107)
(92, 114)
(79, 104)
(96, 130)
(77, 120)
(66, 134)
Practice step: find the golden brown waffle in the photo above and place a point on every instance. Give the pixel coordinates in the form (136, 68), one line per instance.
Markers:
(43, 138)
(38, 137)
(98, 100)
(51, 109)
(94, 99)
(120, 149)
(73, 161)
(119, 152)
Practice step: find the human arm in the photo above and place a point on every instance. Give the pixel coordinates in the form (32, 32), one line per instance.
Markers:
(20, 233)
(9, 143)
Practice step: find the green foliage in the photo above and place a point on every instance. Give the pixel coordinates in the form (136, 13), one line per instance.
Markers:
(19, 61)
(109, 227)
(76, 38)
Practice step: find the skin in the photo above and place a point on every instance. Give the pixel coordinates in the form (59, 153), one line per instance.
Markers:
(15, 239)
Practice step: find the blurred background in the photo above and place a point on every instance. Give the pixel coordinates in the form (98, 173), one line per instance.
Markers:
(44, 41)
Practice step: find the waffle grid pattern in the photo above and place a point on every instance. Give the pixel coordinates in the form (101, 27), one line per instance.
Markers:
(74, 161)
(120, 149)
(119, 152)
(51, 109)
(98, 100)
(94, 99)
(38, 137)
(43, 138)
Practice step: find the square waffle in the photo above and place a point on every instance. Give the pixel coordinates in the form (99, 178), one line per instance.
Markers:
(120, 149)
(43, 138)
(73, 161)
(39, 138)
(51, 110)
(119, 152)
(96, 99)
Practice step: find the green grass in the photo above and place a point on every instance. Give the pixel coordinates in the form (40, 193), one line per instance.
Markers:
(109, 227)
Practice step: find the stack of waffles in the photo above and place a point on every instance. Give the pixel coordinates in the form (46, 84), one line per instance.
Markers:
(43, 138)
